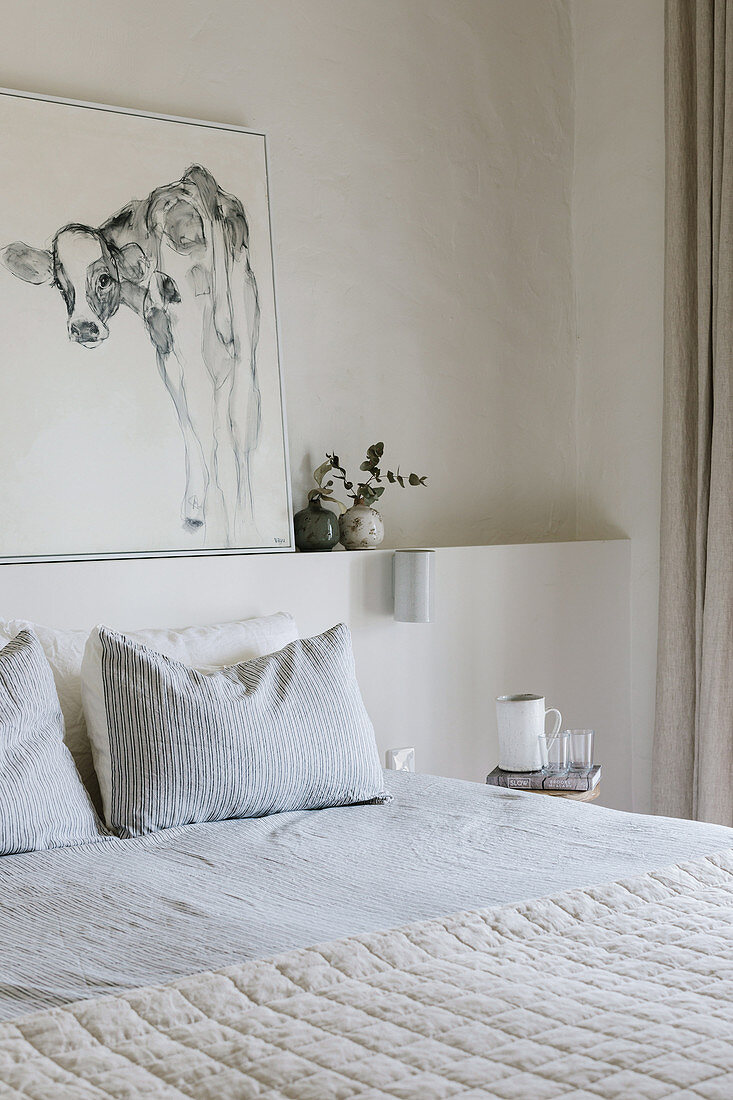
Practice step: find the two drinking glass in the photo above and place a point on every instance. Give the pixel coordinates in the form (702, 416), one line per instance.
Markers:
(571, 750)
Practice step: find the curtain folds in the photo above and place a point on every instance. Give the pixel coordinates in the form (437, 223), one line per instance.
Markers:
(693, 742)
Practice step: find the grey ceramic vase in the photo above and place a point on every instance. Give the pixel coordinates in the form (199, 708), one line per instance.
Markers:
(361, 528)
(316, 528)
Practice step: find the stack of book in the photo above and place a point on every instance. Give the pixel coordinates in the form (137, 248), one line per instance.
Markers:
(583, 780)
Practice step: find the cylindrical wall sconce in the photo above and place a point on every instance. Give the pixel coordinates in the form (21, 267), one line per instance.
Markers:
(414, 586)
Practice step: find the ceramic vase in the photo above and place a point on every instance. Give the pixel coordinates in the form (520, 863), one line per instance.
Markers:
(361, 528)
(316, 528)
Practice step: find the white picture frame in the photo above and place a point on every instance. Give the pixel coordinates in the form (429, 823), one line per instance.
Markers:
(142, 411)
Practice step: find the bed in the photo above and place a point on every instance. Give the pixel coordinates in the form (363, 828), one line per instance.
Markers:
(256, 909)
(243, 902)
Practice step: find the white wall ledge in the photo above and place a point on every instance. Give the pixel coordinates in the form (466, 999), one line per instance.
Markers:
(551, 618)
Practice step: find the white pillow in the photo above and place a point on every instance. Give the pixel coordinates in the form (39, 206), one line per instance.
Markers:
(223, 644)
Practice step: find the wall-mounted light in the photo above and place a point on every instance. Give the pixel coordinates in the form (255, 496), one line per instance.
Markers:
(414, 586)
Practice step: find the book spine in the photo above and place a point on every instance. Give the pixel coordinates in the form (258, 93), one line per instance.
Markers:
(567, 783)
(518, 782)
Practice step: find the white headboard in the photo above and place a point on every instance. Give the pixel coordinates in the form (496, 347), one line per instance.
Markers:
(548, 618)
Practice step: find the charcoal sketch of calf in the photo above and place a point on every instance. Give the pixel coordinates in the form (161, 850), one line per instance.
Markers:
(180, 260)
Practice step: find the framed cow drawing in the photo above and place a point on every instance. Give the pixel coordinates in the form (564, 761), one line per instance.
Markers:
(141, 408)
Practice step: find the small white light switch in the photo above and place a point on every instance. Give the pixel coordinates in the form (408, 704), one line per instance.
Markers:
(401, 760)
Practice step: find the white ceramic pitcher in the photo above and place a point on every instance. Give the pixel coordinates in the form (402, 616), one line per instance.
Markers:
(520, 720)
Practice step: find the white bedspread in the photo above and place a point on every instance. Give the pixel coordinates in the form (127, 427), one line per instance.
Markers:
(83, 922)
(617, 991)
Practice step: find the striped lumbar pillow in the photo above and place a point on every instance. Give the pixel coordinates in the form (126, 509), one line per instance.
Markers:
(43, 803)
(176, 745)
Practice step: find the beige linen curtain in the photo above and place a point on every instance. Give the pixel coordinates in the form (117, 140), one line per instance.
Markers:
(693, 745)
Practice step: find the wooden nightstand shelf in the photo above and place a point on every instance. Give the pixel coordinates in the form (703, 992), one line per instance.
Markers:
(575, 796)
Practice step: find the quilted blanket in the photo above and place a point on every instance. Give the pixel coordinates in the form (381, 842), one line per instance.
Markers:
(623, 990)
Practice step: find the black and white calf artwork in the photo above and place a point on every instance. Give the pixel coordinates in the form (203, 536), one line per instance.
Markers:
(140, 390)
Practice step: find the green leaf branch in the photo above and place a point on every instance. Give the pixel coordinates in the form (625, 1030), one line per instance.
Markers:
(371, 488)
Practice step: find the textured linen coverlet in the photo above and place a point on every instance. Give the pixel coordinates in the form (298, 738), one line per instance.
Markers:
(622, 990)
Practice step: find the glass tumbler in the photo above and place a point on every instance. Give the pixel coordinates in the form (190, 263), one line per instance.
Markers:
(581, 749)
(554, 752)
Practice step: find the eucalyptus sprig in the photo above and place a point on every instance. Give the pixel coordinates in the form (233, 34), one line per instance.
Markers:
(370, 490)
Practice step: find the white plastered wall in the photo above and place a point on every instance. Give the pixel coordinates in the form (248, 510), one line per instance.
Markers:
(618, 228)
(420, 155)
(467, 201)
